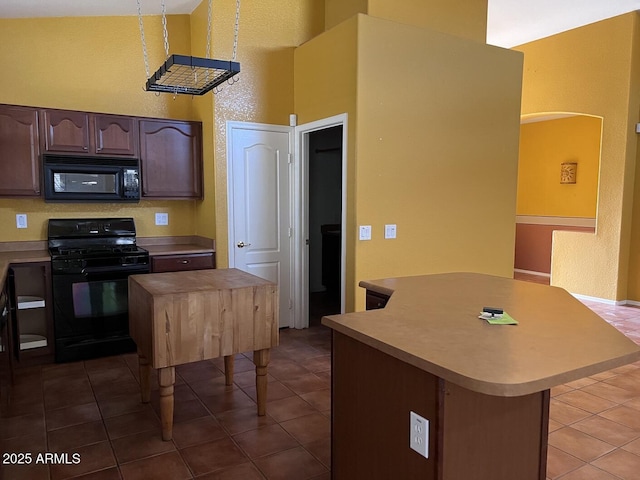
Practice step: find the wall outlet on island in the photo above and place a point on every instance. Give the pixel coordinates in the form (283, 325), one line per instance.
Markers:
(162, 219)
(21, 220)
(419, 434)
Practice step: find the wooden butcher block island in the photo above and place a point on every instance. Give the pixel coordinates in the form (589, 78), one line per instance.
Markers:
(183, 317)
(483, 388)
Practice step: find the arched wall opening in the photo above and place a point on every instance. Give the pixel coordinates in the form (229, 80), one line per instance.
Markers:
(558, 177)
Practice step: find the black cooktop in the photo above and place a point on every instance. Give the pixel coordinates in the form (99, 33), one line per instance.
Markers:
(92, 237)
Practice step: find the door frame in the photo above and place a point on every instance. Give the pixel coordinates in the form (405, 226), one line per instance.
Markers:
(231, 125)
(301, 216)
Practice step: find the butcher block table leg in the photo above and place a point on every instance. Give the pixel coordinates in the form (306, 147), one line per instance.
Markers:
(228, 370)
(166, 379)
(145, 372)
(261, 360)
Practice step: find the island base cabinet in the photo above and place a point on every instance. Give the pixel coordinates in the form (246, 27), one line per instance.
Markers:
(471, 435)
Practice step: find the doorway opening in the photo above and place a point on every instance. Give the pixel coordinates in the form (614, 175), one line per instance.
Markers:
(548, 200)
(325, 222)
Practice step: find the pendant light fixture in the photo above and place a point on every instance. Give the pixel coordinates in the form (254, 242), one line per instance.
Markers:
(184, 74)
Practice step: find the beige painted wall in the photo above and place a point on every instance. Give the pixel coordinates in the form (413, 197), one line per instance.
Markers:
(589, 70)
(433, 147)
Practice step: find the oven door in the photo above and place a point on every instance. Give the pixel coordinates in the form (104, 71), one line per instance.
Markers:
(91, 310)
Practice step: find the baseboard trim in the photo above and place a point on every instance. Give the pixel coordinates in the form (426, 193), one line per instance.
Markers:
(606, 301)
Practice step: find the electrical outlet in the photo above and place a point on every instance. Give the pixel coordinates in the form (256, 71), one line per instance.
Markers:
(21, 220)
(389, 231)
(365, 232)
(419, 434)
(162, 219)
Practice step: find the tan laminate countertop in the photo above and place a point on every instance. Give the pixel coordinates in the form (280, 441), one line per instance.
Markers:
(432, 322)
(36, 251)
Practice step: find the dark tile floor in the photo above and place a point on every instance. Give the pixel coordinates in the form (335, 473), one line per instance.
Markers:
(92, 410)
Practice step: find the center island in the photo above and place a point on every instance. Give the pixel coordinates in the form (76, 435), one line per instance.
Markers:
(484, 389)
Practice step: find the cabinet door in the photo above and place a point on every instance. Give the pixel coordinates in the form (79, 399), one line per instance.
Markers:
(115, 135)
(65, 131)
(19, 151)
(6, 371)
(376, 300)
(171, 159)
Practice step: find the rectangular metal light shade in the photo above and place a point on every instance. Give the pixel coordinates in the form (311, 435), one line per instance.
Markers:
(191, 75)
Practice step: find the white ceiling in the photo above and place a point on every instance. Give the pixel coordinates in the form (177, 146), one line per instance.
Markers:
(510, 22)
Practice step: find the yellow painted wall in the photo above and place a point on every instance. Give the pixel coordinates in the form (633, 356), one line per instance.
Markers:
(437, 152)
(337, 11)
(633, 286)
(589, 70)
(270, 30)
(325, 85)
(96, 64)
(544, 146)
(425, 146)
(92, 64)
(203, 109)
(462, 18)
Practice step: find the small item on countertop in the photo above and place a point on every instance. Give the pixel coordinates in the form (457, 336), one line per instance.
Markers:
(493, 311)
(498, 319)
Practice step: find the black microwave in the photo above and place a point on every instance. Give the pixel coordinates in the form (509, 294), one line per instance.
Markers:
(90, 179)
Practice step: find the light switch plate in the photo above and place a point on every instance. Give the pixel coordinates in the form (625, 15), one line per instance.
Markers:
(365, 232)
(21, 220)
(162, 219)
(389, 231)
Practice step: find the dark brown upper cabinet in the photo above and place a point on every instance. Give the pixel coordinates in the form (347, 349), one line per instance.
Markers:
(115, 135)
(65, 131)
(19, 151)
(171, 159)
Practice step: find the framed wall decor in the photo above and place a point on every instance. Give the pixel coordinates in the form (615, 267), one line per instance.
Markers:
(568, 172)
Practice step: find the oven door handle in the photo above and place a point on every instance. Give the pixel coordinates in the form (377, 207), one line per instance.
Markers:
(128, 269)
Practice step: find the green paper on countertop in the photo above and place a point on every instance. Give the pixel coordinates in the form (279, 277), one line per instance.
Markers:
(504, 319)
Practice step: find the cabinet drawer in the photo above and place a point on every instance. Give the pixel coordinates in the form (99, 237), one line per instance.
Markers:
(175, 263)
(376, 300)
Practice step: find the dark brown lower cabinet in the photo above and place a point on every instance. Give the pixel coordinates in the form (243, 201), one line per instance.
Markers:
(180, 262)
(32, 316)
(376, 300)
(471, 435)
(6, 371)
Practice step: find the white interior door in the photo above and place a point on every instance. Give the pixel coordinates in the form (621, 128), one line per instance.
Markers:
(260, 214)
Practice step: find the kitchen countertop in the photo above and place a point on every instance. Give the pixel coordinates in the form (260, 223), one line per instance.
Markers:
(432, 322)
(36, 251)
(20, 256)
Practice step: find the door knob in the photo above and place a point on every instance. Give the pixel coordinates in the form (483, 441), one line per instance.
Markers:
(242, 244)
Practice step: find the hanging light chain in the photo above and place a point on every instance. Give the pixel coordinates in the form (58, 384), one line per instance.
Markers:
(164, 28)
(144, 43)
(235, 35)
(209, 14)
